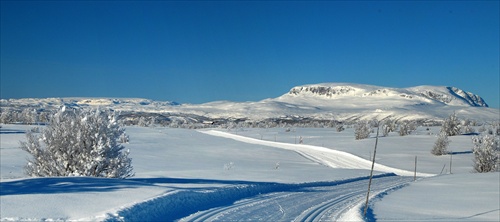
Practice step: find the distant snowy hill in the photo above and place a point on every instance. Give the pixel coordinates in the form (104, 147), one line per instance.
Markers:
(346, 101)
(325, 101)
(425, 94)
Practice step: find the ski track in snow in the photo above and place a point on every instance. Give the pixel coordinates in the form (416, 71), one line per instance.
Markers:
(304, 203)
(321, 155)
(314, 201)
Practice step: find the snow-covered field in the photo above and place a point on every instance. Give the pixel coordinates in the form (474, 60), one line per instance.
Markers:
(258, 174)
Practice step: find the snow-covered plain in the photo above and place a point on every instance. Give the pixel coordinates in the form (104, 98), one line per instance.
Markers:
(257, 174)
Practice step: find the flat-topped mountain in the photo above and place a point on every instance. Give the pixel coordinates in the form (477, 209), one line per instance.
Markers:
(426, 94)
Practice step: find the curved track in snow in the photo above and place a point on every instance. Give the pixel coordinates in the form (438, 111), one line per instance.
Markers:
(315, 203)
(321, 155)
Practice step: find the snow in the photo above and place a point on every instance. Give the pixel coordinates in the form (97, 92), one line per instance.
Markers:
(180, 172)
(455, 197)
(325, 101)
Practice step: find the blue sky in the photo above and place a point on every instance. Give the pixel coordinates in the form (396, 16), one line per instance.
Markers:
(195, 52)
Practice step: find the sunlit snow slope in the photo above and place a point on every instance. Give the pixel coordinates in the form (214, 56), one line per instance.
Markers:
(347, 101)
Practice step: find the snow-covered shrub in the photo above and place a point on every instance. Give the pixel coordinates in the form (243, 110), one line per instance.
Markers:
(466, 127)
(486, 153)
(482, 129)
(362, 130)
(29, 116)
(388, 126)
(78, 143)
(406, 127)
(441, 145)
(490, 131)
(451, 125)
(124, 138)
(5, 115)
(339, 128)
(143, 122)
(229, 166)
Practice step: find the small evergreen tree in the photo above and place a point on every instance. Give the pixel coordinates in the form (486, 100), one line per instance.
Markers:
(78, 143)
(486, 153)
(441, 145)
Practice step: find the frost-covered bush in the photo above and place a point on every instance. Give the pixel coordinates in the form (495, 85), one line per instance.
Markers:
(406, 127)
(467, 127)
(451, 125)
(339, 128)
(229, 166)
(441, 145)
(486, 153)
(482, 129)
(388, 126)
(78, 143)
(362, 130)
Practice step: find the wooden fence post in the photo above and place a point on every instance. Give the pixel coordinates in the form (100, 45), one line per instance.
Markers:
(451, 159)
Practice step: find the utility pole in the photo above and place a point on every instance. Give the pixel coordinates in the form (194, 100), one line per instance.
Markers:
(371, 172)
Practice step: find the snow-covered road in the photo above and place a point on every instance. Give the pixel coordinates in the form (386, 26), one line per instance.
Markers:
(327, 202)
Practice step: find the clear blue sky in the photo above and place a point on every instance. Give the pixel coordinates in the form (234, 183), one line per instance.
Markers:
(195, 52)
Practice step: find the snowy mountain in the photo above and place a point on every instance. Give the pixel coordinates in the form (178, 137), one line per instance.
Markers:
(427, 94)
(325, 101)
(346, 101)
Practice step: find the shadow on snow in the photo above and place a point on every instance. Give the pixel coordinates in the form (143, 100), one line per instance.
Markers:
(51, 185)
(11, 131)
